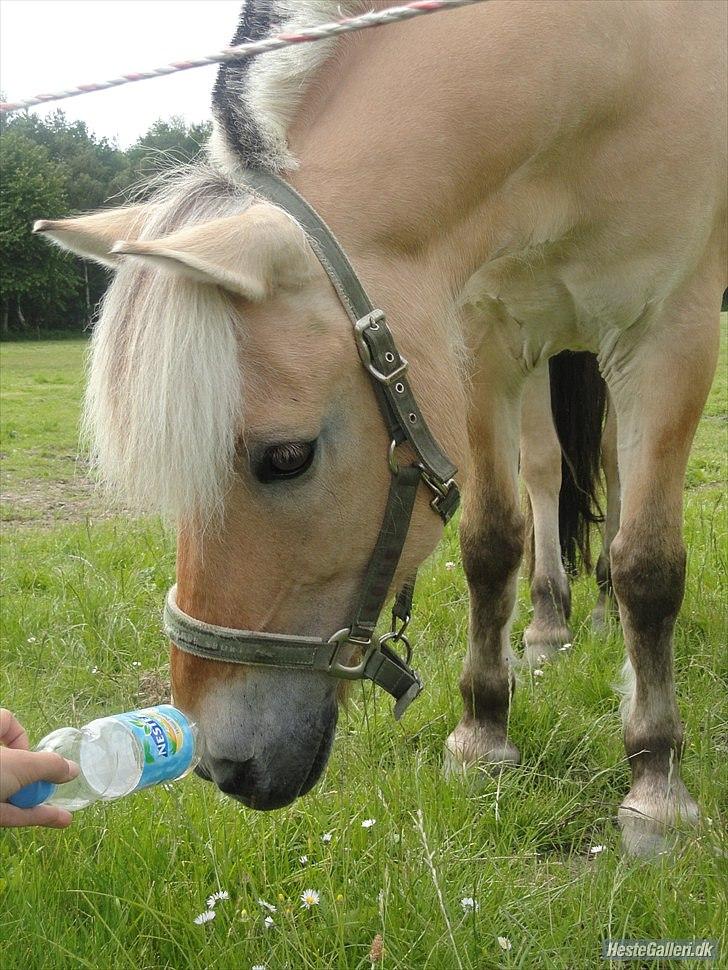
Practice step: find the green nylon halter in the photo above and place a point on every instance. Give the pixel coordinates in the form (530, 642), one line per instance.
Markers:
(404, 421)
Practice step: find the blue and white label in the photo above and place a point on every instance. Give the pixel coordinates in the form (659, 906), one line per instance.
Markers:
(166, 740)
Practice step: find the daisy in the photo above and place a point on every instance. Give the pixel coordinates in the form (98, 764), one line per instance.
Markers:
(566, 646)
(309, 898)
(31, 640)
(368, 822)
(449, 566)
(303, 860)
(327, 836)
(469, 904)
(269, 906)
(136, 663)
(204, 917)
(216, 897)
(267, 922)
(259, 966)
(596, 849)
(504, 943)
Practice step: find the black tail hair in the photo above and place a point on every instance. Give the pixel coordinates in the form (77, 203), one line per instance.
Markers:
(578, 405)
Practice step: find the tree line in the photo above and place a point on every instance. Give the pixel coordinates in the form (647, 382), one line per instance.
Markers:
(52, 168)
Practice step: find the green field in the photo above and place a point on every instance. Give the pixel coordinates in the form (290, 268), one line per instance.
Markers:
(120, 889)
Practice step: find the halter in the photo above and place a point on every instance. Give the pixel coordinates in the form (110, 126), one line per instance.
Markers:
(379, 662)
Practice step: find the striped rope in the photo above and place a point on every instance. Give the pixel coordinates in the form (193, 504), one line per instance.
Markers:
(416, 8)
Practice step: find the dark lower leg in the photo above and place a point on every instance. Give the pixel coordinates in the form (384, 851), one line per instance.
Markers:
(492, 550)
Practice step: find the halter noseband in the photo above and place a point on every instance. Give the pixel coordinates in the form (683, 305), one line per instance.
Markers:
(405, 424)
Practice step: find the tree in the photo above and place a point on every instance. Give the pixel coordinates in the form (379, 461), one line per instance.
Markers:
(38, 283)
(54, 167)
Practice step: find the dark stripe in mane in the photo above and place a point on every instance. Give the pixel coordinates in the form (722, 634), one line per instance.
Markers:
(257, 20)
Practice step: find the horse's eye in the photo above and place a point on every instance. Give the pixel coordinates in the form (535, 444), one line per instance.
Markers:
(285, 461)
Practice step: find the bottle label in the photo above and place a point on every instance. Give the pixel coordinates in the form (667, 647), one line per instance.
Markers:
(166, 739)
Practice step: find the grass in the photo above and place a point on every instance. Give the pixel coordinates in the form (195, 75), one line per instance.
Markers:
(121, 887)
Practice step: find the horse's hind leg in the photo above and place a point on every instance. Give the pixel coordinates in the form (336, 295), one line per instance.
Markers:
(659, 387)
(541, 473)
(605, 601)
(491, 533)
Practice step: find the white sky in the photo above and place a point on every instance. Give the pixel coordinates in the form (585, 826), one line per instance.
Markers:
(47, 45)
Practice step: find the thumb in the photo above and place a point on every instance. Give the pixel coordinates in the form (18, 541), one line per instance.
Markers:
(44, 766)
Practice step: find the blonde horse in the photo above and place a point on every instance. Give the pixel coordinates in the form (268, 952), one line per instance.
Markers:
(510, 181)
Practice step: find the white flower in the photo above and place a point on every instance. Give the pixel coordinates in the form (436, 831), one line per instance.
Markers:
(566, 646)
(368, 822)
(269, 906)
(259, 966)
(31, 640)
(538, 672)
(205, 917)
(469, 904)
(449, 566)
(136, 663)
(596, 849)
(309, 898)
(216, 897)
(327, 836)
(267, 922)
(94, 670)
(504, 943)
(303, 860)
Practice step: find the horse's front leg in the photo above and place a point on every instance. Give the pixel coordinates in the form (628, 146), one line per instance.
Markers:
(659, 388)
(491, 534)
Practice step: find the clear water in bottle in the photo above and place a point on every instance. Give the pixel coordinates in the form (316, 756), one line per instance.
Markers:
(118, 755)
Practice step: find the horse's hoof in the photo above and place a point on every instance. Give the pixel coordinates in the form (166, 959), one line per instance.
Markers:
(471, 747)
(653, 814)
(540, 648)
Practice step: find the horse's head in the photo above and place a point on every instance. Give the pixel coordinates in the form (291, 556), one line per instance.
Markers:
(225, 389)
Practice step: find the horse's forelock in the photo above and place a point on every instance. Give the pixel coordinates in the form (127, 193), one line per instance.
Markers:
(163, 407)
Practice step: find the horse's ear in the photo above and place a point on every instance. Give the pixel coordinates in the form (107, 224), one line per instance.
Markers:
(251, 254)
(92, 236)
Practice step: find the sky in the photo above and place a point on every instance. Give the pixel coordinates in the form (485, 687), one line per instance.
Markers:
(50, 44)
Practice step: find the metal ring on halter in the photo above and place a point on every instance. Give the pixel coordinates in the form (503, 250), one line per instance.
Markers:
(396, 637)
(393, 463)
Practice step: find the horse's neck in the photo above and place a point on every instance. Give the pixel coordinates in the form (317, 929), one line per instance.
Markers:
(412, 134)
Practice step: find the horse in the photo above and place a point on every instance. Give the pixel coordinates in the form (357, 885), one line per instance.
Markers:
(510, 181)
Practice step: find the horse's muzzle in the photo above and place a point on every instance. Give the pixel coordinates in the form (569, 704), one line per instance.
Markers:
(272, 779)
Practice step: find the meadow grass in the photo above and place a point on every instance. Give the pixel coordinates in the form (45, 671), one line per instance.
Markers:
(121, 887)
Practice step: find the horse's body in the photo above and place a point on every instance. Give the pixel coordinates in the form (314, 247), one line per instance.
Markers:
(509, 180)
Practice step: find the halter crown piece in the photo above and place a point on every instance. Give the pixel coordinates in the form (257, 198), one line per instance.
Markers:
(387, 368)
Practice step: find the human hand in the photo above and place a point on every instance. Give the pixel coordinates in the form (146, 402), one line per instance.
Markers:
(19, 767)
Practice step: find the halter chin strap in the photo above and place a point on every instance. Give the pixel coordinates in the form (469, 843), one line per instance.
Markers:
(405, 424)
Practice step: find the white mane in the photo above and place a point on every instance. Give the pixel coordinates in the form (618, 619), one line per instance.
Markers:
(163, 408)
(164, 400)
(270, 91)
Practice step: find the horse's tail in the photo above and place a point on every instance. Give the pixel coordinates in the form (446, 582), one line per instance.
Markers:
(578, 405)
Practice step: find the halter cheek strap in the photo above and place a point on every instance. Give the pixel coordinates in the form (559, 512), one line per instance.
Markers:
(404, 422)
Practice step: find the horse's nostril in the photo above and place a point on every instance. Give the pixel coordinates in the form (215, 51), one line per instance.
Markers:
(233, 777)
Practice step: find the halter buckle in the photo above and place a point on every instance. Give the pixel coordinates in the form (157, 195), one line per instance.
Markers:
(447, 494)
(373, 321)
(344, 671)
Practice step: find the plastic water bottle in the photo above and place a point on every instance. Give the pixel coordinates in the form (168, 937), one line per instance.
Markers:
(117, 755)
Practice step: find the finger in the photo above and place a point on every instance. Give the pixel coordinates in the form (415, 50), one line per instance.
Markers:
(49, 816)
(45, 766)
(12, 733)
